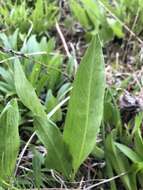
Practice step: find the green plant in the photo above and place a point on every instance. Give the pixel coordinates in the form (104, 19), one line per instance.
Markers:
(94, 18)
(36, 83)
(107, 17)
(120, 159)
(83, 117)
(19, 15)
(43, 70)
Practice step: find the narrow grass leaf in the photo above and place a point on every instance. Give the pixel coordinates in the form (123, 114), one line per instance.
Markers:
(129, 153)
(119, 163)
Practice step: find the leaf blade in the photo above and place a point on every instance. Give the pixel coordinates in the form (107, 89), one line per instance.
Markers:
(132, 155)
(58, 156)
(26, 91)
(81, 126)
(9, 139)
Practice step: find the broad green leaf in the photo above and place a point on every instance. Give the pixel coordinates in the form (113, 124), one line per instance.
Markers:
(79, 13)
(9, 139)
(31, 46)
(58, 156)
(10, 41)
(94, 11)
(129, 153)
(7, 82)
(86, 105)
(26, 92)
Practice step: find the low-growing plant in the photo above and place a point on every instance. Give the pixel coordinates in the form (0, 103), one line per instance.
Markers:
(83, 117)
(67, 151)
(43, 66)
(107, 17)
(94, 18)
(121, 147)
(61, 122)
(20, 15)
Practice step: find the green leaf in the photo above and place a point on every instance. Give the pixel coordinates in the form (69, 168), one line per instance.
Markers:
(34, 76)
(65, 88)
(120, 163)
(31, 45)
(39, 10)
(140, 177)
(54, 71)
(129, 153)
(110, 174)
(37, 162)
(58, 156)
(79, 13)
(86, 105)
(138, 140)
(136, 167)
(116, 27)
(98, 152)
(26, 92)
(138, 143)
(50, 103)
(41, 83)
(9, 139)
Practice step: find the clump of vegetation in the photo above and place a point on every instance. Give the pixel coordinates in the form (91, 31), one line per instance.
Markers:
(62, 124)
